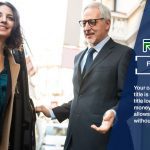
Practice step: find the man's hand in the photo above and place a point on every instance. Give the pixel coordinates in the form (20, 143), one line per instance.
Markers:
(107, 122)
(43, 109)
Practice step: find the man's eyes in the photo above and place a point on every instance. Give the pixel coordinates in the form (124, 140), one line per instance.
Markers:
(89, 21)
(92, 21)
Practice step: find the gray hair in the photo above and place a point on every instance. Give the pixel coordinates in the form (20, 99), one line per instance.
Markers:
(104, 11)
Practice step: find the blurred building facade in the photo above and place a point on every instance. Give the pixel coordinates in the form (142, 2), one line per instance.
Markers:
(51, 67)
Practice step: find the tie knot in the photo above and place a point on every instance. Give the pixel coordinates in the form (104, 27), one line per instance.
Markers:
(91, 51)
(89, 60)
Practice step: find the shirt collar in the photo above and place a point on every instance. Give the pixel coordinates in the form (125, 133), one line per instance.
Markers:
(100, 45)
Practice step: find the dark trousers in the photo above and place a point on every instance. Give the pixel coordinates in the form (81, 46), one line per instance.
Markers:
(70, 146)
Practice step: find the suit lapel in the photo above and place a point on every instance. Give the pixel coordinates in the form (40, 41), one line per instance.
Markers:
(79, 66)
(105, 51)
(77, 70)
(14, 69)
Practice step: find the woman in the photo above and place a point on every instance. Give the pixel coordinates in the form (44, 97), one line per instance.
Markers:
(16, 108)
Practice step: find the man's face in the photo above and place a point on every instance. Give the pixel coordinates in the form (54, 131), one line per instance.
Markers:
(95, 33)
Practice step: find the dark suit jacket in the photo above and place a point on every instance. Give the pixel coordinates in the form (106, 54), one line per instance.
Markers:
(95, 93)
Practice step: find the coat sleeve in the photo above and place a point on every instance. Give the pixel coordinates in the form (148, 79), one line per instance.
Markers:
(23, 117)
(62, 112)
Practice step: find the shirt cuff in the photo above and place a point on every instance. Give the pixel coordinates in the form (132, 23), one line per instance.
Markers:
(115, 120)
(113, 111)
(52, 114)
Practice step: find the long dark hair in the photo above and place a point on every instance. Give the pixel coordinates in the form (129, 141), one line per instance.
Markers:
(15, 40)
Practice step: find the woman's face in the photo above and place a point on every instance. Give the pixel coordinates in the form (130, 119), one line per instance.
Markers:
(6, 21)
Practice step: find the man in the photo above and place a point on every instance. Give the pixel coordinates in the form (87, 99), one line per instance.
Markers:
(97, 85)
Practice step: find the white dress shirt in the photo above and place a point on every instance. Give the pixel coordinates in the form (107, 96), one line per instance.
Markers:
(98, 48)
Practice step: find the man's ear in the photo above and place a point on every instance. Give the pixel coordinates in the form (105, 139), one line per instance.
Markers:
(107, 22)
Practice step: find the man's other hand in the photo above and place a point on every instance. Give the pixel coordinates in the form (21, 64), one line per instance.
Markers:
(107, 122)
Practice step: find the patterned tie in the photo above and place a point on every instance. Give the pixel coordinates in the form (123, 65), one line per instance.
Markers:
(89, 60)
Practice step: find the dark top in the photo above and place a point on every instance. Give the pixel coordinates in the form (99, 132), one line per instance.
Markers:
(3, 87)
(4, 77)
